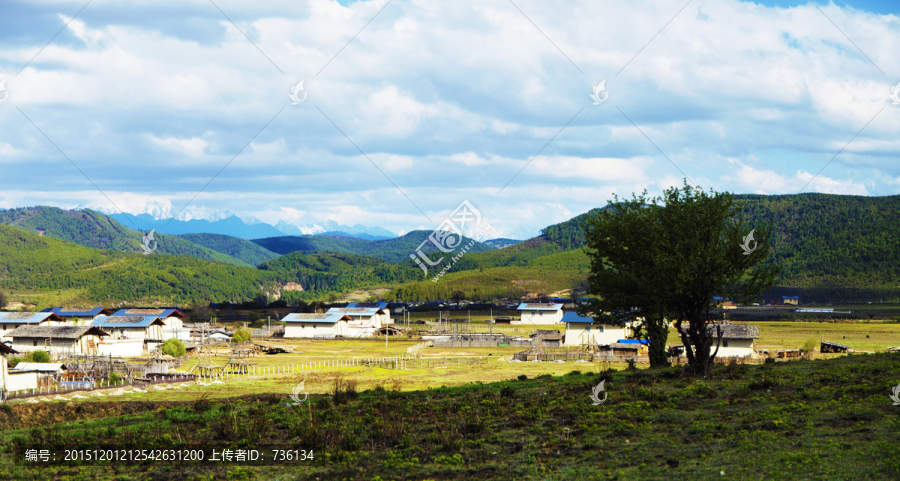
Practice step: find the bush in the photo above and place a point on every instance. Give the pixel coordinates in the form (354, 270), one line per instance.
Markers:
(809, 348)
(15, 360)
(39, 356)
(523, 377)
(241, 335)
(173, 347)
(114, 378)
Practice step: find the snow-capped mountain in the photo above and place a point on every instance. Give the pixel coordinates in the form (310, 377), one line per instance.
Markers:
(332, 226)
(160, 210)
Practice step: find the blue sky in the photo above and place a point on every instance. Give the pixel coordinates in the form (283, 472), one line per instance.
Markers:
(447, 101)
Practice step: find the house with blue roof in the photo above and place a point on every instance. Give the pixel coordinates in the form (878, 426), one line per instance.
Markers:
(131, 327)
(173, 321)
(366, 318)
(583, 331)
(540, 313)
(76, 316)
(792, 300)
(316, 325)
(9, 321)
(385, 316)
(130, 336)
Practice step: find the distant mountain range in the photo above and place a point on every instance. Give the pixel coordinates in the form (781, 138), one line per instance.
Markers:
(831, 248)
(250, 228)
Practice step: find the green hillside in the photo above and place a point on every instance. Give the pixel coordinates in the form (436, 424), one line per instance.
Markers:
(830, 247)
(46, 271)
(93, 229)
(336, 272)
(240, 249)
(35, 269)
(390, 250)
(546, 275)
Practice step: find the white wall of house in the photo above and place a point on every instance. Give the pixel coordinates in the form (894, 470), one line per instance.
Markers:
(181, 334)
(121, 347)
(18, 381)
(173, 322)
(541, 317)
(362, 328)
(58, 346)
(308, 328)
(149, 332)
(581, 334)
(736, 348)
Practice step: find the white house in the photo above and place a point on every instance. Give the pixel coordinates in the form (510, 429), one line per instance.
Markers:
(13, 320)
(329, 324)
(57, 339)
(540, 313)
(738, 340)
(76, 317)
(584, 331)
(220, 336)
(364, 320)
(173, 321)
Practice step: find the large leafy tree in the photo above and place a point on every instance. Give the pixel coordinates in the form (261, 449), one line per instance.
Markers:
(627, 257)
(667, 258)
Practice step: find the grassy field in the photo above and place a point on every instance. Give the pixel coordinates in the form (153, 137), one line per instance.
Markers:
(825, 419)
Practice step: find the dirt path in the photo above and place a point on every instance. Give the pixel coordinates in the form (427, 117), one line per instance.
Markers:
(105, 265)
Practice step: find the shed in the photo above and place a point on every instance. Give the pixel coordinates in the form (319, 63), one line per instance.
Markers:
(827, 346)
(311, 325)
(540, 313)
(57, 339)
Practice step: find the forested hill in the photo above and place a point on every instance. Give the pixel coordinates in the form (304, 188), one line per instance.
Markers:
(45, 271)
(236, 247)
(93, 229)
(820, 240)
(391, 250)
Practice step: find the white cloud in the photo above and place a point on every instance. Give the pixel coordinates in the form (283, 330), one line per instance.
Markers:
(192, 147)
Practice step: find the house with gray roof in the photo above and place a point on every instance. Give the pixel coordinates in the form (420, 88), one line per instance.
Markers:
(13, 320)
(57, 339)
(738, 340)
(173, 321)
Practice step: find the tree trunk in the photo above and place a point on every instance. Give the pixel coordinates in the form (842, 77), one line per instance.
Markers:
(658, 334)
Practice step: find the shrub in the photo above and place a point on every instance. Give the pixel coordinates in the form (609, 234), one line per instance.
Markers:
(523, 377)
(809, 348)
(507, 391)
(15, 360)
(40, 356)
(241, 335)
(343, 390)
(114, 377)
(174, 348)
